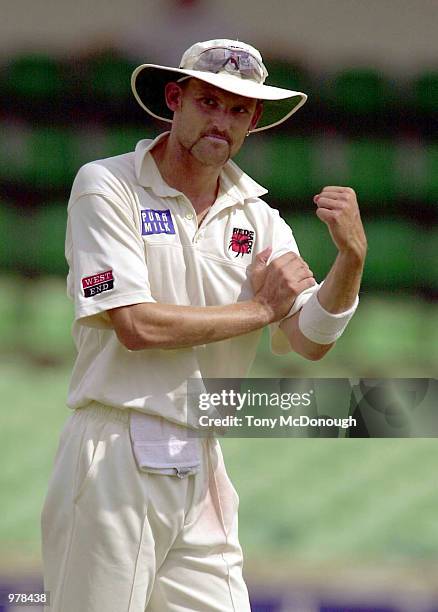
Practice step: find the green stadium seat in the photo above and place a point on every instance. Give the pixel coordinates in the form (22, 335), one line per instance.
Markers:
(18, 239)
(253, 158)
(288, 171)
(8, 237)
(35, 78)
(371, 170)
(314, 242)
(13, 149)
(428, 258)
(107, 78)
(329, 160)
(424, 93)
(409, 167)
(48, 160)
(87, 144)
(32, 241)
(358, 91)
(118, 140)
(429, 188)
(285, 74)
(50, 226)
(393, 261)
(291, 169)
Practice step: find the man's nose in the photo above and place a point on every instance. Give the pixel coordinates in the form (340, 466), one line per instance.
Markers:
(222, 120)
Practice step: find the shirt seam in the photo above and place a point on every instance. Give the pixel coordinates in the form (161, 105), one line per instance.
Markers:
(98, 193)
(226, 262)
(181, 246)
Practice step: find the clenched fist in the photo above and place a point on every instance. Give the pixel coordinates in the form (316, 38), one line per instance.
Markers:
(338, 208)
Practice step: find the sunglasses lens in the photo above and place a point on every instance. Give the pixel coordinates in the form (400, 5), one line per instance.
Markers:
(232, 61)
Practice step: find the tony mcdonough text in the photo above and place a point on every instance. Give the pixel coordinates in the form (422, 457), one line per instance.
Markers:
(273, 422)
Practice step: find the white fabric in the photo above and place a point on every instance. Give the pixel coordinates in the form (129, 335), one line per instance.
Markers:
(192, 266)
(163, 447)
(321, 326)
(279, 342)
(302, 298)
(117, 539)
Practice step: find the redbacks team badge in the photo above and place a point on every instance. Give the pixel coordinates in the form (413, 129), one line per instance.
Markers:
(242, 241)
(98, 283)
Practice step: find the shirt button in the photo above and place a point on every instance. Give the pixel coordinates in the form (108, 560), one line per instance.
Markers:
(189, 216)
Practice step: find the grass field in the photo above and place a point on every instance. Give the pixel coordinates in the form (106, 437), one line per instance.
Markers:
(304, 503)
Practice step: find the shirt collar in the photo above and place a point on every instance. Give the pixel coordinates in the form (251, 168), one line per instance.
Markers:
(235, 185)
(147, 171)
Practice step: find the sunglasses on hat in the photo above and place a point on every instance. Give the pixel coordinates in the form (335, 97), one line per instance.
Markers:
(223, 59)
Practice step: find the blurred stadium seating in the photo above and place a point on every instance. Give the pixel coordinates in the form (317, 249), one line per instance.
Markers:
(58, 115)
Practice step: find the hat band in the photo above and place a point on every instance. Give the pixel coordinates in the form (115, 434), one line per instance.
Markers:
(232, 61)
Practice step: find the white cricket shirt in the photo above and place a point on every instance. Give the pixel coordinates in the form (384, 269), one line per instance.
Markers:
(131, 238)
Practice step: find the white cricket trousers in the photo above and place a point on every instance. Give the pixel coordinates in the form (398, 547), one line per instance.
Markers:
(116, 539)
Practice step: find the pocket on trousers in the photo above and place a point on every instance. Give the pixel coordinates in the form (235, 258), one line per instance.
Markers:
(92, 451)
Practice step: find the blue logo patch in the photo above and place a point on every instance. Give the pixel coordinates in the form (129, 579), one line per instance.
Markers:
(156, 222)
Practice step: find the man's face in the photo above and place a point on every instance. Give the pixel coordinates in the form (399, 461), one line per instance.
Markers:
(210, 123)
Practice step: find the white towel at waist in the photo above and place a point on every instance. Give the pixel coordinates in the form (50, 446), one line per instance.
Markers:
(163, 447)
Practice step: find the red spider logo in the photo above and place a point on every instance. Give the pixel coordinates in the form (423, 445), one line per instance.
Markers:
(241, 242)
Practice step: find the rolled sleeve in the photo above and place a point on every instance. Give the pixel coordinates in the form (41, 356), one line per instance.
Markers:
(284, 242)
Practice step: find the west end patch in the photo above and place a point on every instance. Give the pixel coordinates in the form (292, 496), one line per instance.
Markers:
(156, 222)
(242, 241)
(98, 283)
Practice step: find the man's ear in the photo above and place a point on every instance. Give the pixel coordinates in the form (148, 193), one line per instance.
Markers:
(173, 94)
(257, 114)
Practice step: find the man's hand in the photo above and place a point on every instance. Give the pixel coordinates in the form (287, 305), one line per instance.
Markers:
(338, 208)
(153, 325)
(277, 285)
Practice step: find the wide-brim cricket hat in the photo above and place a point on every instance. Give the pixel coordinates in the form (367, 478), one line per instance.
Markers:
(228, 64)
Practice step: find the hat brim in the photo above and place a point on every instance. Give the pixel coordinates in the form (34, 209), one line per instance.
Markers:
(148, 82)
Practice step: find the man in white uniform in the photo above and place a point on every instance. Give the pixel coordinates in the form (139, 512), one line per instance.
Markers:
(176, 265)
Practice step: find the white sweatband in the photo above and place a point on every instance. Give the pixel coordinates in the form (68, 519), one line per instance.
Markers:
(321, 326)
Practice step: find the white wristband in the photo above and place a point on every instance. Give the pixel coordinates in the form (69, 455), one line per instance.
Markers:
(302, 298)
(321, 326)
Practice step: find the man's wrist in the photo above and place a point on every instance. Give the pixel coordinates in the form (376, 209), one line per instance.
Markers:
(265, 310)
(354, 255)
